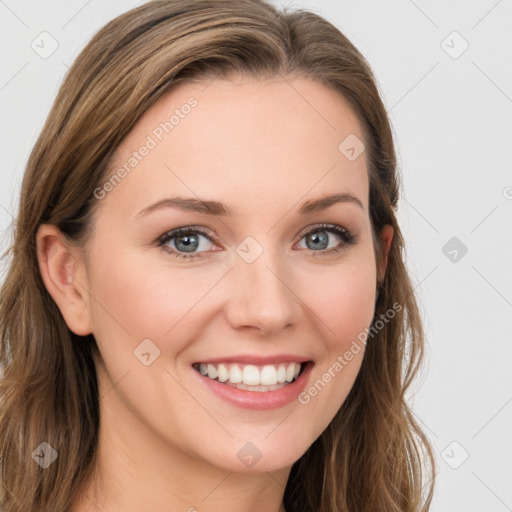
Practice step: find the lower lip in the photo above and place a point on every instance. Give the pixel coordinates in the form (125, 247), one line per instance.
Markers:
(259, 400)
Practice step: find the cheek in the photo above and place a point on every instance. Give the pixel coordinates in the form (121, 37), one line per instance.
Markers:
(139, 297)
(344, 303)
(343, 299)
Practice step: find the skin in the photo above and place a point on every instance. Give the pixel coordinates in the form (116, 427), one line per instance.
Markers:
(166, 441)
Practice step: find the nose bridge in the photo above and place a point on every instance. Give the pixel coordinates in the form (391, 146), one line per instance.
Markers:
(260, 297)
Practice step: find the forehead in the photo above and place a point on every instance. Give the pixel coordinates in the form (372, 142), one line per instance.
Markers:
(241, 141)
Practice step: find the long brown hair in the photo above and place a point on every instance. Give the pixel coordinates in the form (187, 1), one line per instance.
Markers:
(373, 456)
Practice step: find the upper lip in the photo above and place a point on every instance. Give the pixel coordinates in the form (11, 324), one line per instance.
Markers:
(257, 360)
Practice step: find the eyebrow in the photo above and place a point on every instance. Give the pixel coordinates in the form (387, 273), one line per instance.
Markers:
(217, 208)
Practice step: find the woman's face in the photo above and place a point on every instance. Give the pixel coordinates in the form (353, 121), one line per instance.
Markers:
(234, 239)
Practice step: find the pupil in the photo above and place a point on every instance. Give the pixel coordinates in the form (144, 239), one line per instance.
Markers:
(318, 240)
(188, 243)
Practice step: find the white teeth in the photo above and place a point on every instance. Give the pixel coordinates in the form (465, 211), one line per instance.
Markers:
(290, 371)
(269, 375)
(281, 373)
(235, 374)
(254, 378)
(223, 373)
(212, 372)
(251, 376)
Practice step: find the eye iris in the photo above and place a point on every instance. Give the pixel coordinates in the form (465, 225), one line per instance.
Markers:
(187, 243)
(317, 240)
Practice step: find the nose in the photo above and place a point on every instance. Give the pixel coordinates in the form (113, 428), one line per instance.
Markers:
(261, 296)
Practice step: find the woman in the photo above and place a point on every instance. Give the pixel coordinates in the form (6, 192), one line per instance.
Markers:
(207, 305)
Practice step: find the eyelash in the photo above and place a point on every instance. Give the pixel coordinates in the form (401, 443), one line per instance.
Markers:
(347, 239)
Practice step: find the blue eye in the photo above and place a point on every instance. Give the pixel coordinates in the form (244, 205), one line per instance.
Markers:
(327, 238)
(191, 242)
(186, 242)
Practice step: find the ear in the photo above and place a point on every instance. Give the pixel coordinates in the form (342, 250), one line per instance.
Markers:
(64, 275)
(386, 237)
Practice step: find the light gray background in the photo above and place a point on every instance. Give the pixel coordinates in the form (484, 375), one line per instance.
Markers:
(451, 117)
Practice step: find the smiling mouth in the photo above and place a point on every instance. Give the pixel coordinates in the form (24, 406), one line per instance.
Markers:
(249, 377)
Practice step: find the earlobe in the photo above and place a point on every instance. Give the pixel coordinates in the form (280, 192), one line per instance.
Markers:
(64, 276)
